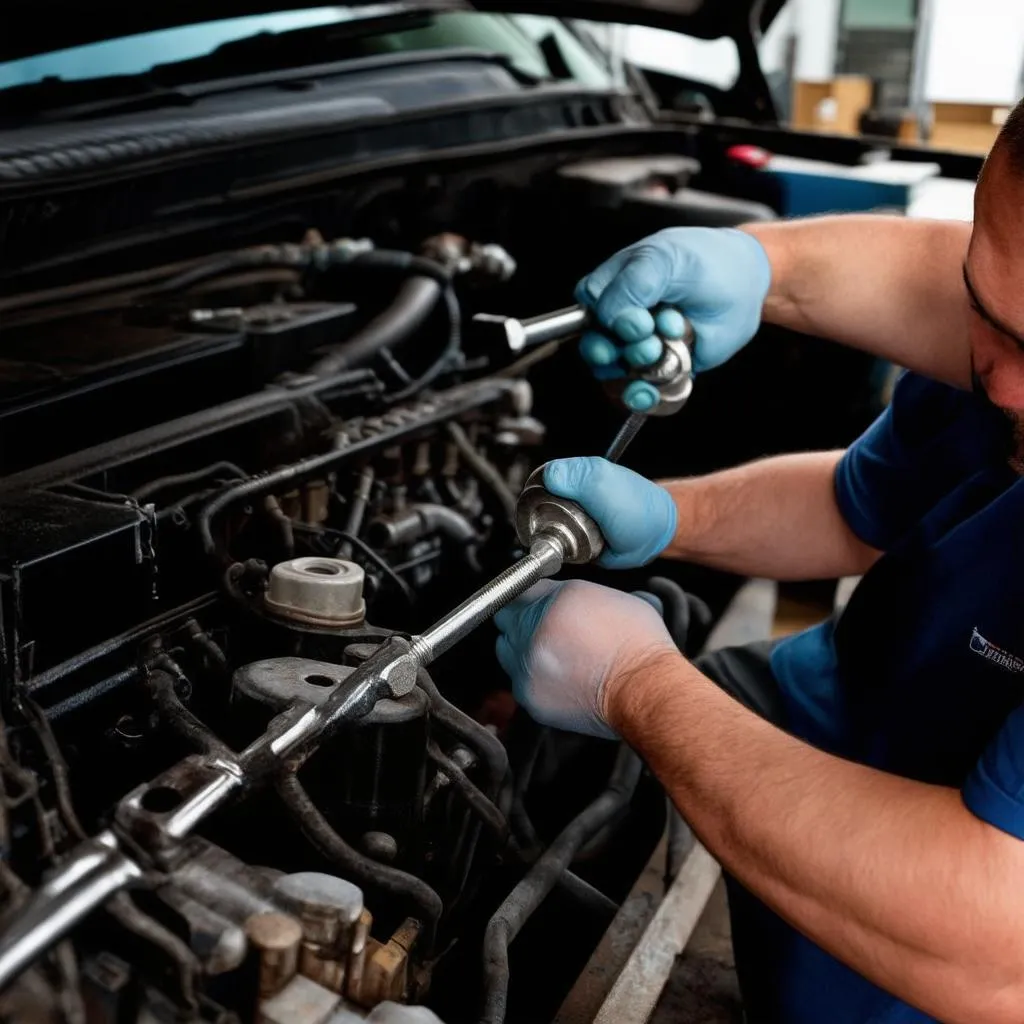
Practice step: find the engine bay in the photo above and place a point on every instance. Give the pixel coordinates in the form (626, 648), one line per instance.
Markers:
(228, 484)
(232, 484)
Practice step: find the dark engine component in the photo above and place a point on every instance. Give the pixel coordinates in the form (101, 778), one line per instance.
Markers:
(312, 466)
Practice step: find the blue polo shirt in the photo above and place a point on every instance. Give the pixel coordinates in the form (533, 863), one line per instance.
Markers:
(922, 675)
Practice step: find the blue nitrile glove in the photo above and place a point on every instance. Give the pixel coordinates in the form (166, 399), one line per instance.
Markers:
(561, 644)
(717, 277)
(636, 517)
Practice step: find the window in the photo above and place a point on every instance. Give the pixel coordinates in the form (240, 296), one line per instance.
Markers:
(539, 46)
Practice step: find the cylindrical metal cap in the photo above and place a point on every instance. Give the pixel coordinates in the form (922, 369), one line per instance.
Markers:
(277, 938)
(317, 591)
(326, 906)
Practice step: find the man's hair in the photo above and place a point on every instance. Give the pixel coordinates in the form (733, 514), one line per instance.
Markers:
(1011, 138)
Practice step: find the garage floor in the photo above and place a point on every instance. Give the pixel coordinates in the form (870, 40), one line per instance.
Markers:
(702, 988)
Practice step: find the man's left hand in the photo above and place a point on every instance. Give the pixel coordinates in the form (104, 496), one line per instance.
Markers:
(565, 644)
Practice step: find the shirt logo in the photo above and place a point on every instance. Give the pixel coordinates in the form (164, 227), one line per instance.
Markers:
(990, 652)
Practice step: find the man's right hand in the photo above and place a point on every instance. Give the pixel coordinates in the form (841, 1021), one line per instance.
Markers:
(718, 278)
(636, 517)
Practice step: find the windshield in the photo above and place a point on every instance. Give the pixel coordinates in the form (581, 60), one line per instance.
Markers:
(520, 38)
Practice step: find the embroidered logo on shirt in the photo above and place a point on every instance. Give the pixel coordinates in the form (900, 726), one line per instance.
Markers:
(990, 652)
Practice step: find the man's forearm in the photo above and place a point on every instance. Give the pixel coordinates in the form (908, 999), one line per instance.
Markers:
(776, 518)
(886, 285)
(895, 878)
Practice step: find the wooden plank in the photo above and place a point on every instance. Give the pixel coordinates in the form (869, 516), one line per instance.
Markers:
(636, 991)
(624, 933)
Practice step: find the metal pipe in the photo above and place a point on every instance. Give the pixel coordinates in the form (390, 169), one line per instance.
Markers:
(486, 472)
(42, 682)
(95, 872)
(155, 439)
(357, 513)
(624, 438)
(366, 872)
(538, 330)
(544, 560)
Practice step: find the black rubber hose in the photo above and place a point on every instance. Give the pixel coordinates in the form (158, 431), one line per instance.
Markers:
(448, 357)
(415, 301)
(355, 865)
(244, 260)
(229, 469)
(160, 682)
(486, 810)
(683, 612)
(591, 900)
(146, 928)
(484, 470)
(528, 895)
(484, 744)
(519, 819)
(213, 650)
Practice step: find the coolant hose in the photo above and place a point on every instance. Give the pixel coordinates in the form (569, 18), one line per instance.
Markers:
(354, 865)
(415, 301)
(528, 895)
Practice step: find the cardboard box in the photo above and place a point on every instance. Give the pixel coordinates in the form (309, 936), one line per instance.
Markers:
(968, 127)
(834, 106)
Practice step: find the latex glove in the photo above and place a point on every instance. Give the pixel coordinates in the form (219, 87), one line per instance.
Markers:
(717, 277)
(561, 643)
(637, 517)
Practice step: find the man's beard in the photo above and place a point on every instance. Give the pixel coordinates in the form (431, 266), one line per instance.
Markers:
(1015, 456)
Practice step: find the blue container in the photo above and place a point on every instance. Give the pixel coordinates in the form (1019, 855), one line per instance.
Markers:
(813, 187)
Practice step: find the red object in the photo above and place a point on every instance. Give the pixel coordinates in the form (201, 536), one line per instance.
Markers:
(752, 156)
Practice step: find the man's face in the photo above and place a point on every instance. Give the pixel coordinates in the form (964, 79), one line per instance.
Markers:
(994, 277)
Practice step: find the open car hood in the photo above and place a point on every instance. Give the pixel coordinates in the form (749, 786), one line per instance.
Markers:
(41, 26)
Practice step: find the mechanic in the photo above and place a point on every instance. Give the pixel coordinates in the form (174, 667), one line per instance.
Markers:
(862, 783)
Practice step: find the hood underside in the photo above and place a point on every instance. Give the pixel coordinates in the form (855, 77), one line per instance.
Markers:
(43, 26)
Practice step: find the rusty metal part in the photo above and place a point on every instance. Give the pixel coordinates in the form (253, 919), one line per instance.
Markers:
(159, 814)
(276, 939)
(326, 906)
(328, 909)
(318, 592)
(321, 967)
(386, 974)
(358, 953)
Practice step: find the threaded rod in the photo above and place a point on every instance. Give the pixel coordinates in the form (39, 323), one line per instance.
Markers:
(544, 560)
